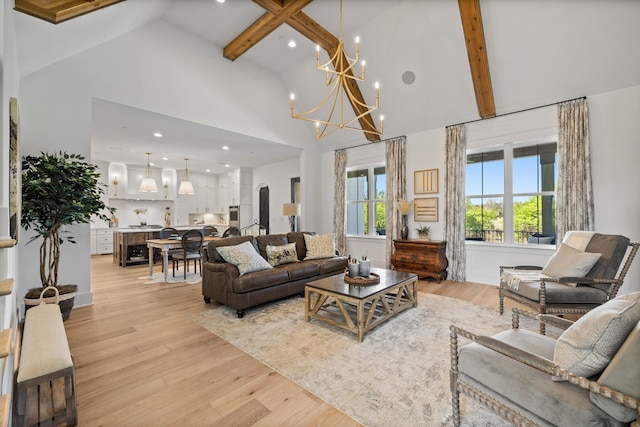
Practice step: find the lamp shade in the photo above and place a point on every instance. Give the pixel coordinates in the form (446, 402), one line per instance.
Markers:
(148, 185)
(291, 209)
(186, 187)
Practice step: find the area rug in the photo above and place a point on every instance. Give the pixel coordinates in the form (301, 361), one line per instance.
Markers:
(399, 374)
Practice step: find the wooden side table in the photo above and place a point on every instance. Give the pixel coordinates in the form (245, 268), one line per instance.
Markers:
(426, 258)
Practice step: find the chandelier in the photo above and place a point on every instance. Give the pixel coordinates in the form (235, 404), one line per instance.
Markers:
(148, 184)
(186, 186)
(342, 78)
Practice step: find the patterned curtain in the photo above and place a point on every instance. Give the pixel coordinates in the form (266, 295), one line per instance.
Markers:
(395, 155)
(454, 213)
(340, 177)
(575, 192)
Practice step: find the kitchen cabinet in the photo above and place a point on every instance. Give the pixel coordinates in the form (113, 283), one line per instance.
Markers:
(101, 241)
(426, 258)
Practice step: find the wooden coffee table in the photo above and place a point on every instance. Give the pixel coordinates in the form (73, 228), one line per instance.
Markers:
(360, 308)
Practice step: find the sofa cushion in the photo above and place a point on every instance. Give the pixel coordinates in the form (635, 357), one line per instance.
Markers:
(332, 265)
(212, 252)
(297, 237)
(588, 345)
(301, 270)
(322, 246)
(245, 257)
(270, 239)
(259, 280)
(622, 374)
(570, 262)
(282, 254)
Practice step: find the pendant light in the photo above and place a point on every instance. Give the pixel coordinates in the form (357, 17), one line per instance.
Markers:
(186, 187)
(148, 184)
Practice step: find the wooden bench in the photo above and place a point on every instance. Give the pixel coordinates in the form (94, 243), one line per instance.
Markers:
(45, 381)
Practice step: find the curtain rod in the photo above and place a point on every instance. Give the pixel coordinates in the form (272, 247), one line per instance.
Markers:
(516, 112)
(369, 143)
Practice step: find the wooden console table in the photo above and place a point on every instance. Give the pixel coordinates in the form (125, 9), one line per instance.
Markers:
(426, 258)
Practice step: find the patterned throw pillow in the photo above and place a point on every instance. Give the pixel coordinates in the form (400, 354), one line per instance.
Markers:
(588, 345)
(244, 256)
(322, 246)
(282, 254)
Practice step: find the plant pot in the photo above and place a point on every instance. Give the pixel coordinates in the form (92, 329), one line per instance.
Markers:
(65, 299)
(423, 236)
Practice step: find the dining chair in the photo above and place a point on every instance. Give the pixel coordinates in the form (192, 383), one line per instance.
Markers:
(232, 231)
(209, 230)
(192, 241)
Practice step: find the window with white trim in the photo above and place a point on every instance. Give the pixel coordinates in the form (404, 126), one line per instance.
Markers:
(511, 193)
(365, 204)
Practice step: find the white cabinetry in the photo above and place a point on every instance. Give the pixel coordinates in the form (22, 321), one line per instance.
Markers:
(101, 241)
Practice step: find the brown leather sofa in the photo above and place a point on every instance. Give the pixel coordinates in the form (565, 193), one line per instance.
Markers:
(222, 282)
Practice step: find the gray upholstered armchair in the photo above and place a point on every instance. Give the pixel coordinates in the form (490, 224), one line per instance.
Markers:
(583, 274)
(589, 376)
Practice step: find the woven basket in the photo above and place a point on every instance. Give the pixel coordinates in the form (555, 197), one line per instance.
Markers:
(65, 301)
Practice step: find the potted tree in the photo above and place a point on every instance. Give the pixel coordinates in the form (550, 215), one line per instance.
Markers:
(58, 189)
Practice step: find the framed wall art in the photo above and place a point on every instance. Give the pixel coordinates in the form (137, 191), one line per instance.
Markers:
(425, 209)
(15, 171)
(425, 181)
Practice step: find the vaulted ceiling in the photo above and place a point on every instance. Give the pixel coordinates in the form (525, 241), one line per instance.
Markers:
(439, 62)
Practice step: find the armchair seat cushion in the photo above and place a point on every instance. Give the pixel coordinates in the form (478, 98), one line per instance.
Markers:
(559, 403)
(557, 293)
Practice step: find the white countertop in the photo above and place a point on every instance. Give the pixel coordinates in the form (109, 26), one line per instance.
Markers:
(146, 230)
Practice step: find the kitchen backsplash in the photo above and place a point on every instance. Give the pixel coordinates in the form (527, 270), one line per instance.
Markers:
(150, 212)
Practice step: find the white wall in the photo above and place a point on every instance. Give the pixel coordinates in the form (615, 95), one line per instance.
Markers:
(277, 177)
(615, 151)
(157, 68)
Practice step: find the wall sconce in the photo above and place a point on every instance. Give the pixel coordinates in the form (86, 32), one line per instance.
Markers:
(292, 210)
(115, 184)
(166, 186)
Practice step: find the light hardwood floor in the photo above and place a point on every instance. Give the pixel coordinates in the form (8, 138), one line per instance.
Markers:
(142, 362)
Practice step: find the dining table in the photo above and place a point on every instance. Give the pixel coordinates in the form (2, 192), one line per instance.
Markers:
(165, 245)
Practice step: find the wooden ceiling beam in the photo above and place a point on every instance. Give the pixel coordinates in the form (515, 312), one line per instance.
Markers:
(261, 28)
(477, 53)
(315, 32)
(351, 85)
(56, 11)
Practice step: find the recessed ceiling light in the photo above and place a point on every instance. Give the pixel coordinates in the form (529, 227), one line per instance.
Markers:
(220, 1)
(227, 165)
(224, 147)
(207, 170)
(165, 158)
(157, 134)
(292, 44)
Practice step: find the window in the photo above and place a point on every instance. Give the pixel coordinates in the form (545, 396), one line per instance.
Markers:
(366, 190)
(511, 194)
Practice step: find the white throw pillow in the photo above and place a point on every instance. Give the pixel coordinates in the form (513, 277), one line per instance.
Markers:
(322, 246)
(588, 345)
(282, 254)
(244, 256)
(570, 262)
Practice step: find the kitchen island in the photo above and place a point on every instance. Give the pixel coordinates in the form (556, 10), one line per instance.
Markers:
(130, 244)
